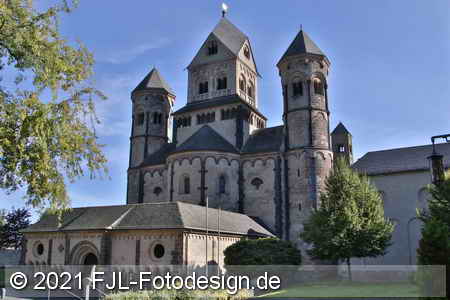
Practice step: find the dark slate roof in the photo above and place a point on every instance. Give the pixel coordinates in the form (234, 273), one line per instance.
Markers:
(206, 139)
(400, 160)
(264, 140)
(168, 215)
(160, 156)
(340, 129)
(154, 80)
(302, 44)
(215, 102)
(230, 35)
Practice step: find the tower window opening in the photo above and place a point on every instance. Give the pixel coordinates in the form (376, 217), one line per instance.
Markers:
(242, 84)
(212, 48)
(203, 87)
(221, 83)
(140, 119)
(297, 88)
(341, 148)
(250, 90)
(318, 87)
(222, 184)
(247, 52)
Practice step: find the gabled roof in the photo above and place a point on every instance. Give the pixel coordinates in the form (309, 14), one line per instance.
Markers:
(340, 129)
(154, 80)
(302, 44)
(167, 215)
(264, 140)
(206, 139)
(400, 160)
(230, 36)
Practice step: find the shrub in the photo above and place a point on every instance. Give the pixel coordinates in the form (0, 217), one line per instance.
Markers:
(265, 251)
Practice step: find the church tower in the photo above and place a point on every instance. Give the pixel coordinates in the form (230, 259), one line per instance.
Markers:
(307, 151)
(152, 100)
(341, 140)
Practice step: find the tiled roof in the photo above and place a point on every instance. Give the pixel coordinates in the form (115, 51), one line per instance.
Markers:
(302, 44)
(160, 156)
(264, 140)
(206, 139)
(230, 35)
(168, 215)
(154, 80)
(400, 160)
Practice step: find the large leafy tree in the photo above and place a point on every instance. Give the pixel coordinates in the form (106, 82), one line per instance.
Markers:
(10, 231)
(47, 112)
(434, 246)
(350, 221)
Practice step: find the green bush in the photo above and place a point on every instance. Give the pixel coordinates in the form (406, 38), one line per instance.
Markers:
(266, 251)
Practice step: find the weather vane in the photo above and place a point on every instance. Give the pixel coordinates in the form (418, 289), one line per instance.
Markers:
(224, 9)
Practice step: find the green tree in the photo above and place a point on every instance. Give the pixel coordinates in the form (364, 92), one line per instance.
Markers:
(10, 232)
(434, 246)
(47, 112)
(350, 221)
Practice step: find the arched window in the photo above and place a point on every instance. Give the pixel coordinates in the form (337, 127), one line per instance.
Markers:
(187, 185)
(203, 87)
(242, 83)
(212, 47)
(222, 184)
(257, 182)
(250, 90)
(140, 119)
(318, 86)
(247, 52)
(297, 88)
(221, 83)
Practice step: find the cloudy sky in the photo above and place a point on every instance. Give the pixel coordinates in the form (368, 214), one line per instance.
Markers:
(389, 80)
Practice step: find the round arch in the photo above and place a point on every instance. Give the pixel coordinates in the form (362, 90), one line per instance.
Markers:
(84, 252)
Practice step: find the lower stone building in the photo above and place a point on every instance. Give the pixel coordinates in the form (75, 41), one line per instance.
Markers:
(142, 234)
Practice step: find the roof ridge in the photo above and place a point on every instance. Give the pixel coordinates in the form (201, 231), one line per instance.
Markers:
(408, 147)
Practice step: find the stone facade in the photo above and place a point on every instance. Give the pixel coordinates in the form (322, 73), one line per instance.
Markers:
(272, 174)
(136, 247)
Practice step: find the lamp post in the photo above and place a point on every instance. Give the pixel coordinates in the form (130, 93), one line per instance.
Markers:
(436, 161)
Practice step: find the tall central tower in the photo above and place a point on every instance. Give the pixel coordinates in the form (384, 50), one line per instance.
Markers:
(307, 151)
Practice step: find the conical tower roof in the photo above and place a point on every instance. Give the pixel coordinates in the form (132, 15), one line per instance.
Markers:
(302, 44)
(154, 80)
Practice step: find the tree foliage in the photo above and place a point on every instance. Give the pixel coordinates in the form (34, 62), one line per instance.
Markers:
(15, 221)
(434, 246)
(47, 112)
(265, 251)
(350, 221)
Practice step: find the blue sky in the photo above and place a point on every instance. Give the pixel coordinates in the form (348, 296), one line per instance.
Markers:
(389, 81)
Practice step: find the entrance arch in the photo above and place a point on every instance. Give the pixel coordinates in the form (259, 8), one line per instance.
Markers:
(85, 253)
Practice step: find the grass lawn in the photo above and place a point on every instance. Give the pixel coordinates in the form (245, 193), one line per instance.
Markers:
(347, 289)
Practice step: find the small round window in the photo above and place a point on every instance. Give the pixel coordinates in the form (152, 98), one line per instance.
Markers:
(39, 249)
(158, 251)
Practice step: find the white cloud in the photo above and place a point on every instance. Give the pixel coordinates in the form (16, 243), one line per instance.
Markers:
(127, 55)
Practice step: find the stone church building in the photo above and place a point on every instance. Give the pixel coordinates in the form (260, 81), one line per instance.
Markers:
(216, 150)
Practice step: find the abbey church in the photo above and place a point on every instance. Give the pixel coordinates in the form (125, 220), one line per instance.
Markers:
(205, 176)
(218, 146)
